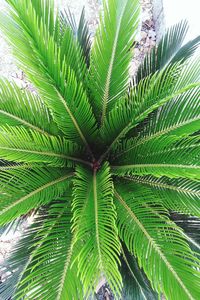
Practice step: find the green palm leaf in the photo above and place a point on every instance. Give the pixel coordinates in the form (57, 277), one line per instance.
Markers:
(162, 157)
(50, 25)
(16, 143)
(20, 257)
(23, 190)
(178, 194)
(24, 108)
(94, 222)
(52, 258)
(81, 31)
(68, 103)
(179, 117)
(135, 283)
(160, 243)
(48, 254)
(108, 167)
(169, 50)
(114, 38)
(124, 115)
(150, 94)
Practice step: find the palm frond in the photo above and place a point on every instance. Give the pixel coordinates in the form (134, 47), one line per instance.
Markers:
(81, 31)
(104, 163)
(50, 23)
(94, 224)
(135, 282)
(150, 94)
(111, 55)
(24, 108)
(157, 89)
(162, 157)
(41, 250)
(123, 115)
(41, 58)
(182, 193)
(12, 268)
(20, 145)
(6, 165)
(191, 227)
(169, 50)
(177, 194)
(179, 117)
(152, 238)
(23, 190)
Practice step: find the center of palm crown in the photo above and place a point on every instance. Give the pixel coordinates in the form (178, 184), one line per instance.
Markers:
(95, 165)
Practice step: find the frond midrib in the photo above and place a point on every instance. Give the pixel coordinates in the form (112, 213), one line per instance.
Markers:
(156, 135)
(96, 216)
(47, 153)
(33, 193)
(65, 269)
(75, 124)
(110, 68)
(163, 185)
(24, 122)
(37, 247)
(18, 166)
(121, 167)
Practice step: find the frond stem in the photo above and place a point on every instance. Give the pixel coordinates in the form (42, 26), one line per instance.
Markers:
(96, 214)
(76, 125)
(154, 166)
(25, 122)
(109, 74)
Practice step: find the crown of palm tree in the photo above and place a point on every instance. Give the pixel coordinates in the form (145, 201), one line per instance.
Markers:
(102, 161)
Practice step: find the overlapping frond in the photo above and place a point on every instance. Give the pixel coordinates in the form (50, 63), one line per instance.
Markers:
(81, 31)
(106, 186)
(191, 227)
(163, 86)
(179, 117)
(135, 283)
(153, 90)
(49, 256)
(23, 108)
(16, 263)
(47, 67)
(162, 157)
(46, 18)
(169, 50)
(94, 224)
(22, 190)
(20, 145)
(177, 194)
(111, 55)
(144, 227)
(150, 94)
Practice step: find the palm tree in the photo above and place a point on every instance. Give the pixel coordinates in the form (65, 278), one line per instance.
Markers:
(110, 166)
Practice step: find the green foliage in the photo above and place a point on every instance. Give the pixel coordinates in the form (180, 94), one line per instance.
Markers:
(145, 228)
(108, 166)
